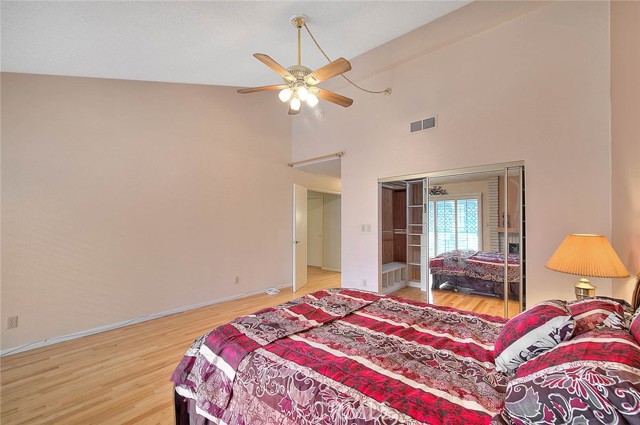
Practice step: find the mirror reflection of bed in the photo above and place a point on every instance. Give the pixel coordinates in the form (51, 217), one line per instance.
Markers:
(458, 236)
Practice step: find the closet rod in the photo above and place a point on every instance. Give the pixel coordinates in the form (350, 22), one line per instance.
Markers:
(316, 159)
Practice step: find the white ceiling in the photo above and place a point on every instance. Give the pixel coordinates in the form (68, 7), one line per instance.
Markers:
(205, 42)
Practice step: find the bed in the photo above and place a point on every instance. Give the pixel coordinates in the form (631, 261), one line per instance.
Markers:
(475, 272)
(352, 357)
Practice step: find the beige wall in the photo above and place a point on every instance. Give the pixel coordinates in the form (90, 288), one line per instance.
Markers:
(625, 139)
(122, 199)
(534, 88)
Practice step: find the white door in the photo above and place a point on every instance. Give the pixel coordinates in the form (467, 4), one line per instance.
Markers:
(299, 237)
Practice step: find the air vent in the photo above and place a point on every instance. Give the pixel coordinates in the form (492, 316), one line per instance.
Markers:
(424, 124)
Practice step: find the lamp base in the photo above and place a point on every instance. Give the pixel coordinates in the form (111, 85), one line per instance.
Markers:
(584, 289)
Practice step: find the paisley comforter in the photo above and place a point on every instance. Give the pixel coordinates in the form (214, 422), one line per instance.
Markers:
(345, 357)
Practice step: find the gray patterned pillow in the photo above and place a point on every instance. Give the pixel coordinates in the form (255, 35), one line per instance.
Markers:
(531, 333)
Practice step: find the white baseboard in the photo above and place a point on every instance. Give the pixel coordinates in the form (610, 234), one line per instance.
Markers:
(414, 284)
(331, 270)
(57, 339)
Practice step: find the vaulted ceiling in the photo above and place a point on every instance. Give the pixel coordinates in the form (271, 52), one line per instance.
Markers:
(205, 42)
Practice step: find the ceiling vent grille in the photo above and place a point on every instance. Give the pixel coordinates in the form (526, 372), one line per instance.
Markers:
(424, 124)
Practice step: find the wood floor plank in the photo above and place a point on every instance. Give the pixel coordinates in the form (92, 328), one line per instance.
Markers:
(122, 376)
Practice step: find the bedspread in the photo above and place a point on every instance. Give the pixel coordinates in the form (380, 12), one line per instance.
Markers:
(207, 371)
(386, 361)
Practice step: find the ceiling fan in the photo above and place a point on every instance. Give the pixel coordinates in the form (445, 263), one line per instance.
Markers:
(300, 83)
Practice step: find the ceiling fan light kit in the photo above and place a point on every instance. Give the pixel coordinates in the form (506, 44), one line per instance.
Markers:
(300, 82)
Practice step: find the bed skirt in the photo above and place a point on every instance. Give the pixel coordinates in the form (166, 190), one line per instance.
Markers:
(185, 409)
(473, 286)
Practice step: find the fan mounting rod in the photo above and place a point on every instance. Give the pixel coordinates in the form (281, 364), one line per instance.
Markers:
(298, 22)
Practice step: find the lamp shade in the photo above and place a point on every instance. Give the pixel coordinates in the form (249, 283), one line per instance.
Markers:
(587, 255)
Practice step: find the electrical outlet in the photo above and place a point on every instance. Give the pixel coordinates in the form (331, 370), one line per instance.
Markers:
(12, 322)
(364, 283)
(368, 227)
(236, 280)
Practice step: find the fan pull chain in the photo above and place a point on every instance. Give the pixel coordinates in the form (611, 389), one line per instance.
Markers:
(386, 91)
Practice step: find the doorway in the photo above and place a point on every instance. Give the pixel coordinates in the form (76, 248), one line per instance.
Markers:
(316, 235)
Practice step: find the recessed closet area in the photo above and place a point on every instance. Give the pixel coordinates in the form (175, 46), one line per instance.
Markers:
(458, 235)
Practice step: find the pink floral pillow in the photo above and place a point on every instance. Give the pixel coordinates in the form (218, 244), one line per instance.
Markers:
(592, 313)
(592, 378)
(531, 333)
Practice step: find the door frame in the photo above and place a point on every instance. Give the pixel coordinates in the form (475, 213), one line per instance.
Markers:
(299, 242)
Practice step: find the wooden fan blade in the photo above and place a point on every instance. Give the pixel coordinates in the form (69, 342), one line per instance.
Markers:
(337, 67)
(293, 111)
(332, 97)
(263, 88)
(279, 69)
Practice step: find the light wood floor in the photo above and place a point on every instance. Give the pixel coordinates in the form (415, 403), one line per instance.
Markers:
(122, 376)
(476, 303)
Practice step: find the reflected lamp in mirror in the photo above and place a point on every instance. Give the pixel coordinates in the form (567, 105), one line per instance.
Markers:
(587, 256)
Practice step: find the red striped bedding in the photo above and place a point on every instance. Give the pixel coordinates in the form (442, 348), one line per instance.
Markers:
(345, 357)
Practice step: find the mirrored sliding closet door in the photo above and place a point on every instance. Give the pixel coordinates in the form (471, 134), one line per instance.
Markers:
(460, 238)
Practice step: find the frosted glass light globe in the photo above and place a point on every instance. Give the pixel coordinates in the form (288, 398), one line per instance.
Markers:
(295, 104)
(312, 100)
(285, 95)
(302, 93)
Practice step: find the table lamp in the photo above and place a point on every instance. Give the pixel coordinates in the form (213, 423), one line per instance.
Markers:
(587, 256)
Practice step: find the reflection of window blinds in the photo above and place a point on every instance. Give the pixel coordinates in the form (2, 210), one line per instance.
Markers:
(494, 241)
(467, 217)
(454, 224)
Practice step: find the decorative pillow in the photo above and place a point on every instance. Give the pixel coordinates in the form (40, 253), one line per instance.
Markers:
(532, 332)
(628, 311)
(634, 326)
(593, 378)
(592, 313)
